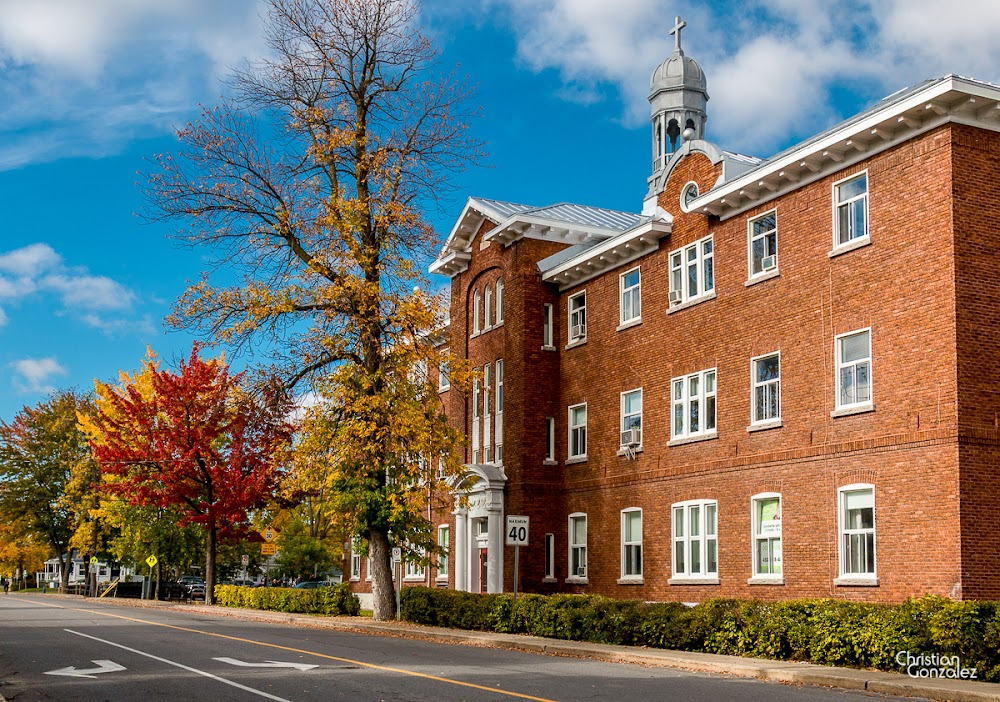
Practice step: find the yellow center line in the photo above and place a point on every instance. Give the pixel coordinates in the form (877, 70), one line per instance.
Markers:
(373, 666)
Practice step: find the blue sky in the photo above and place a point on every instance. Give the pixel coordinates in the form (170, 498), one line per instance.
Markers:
(89, 88)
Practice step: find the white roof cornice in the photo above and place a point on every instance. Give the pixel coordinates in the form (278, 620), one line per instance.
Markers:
(895, 120)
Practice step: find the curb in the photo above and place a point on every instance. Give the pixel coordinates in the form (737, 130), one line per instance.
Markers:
(787, 672)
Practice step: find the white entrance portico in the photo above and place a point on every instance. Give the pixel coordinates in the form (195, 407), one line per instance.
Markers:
(479, 530)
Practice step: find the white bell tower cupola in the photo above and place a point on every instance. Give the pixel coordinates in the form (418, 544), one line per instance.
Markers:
(677, 97)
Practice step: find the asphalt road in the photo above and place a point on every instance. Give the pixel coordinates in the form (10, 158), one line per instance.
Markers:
(59, 649)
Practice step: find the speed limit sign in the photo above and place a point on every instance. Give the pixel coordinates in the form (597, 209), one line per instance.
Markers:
(245, 559)
(517, 530)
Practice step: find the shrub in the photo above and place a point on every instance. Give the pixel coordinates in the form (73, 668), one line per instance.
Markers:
(334, 600)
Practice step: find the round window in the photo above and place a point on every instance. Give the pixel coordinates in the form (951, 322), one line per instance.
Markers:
(689, 193)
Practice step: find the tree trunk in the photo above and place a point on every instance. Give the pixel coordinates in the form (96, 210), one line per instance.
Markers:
(210, 542)
(383, 595)
(156, 589)
(64, 575)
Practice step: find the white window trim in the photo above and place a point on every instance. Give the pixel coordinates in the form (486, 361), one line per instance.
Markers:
(700, 258)
(569, 434)
(633, 577)
(765, 578)
(443, 577)
(704, 433)
(581, 339)
(703, 577)
(487, 307)
(548, 327)
(624, 323)
(857, 241)
(477, 320)
(574, 578)
(550, 562)
(498, 301)
(767, 272)
(621, 414)
(550, 440)
(498, 397)
(853, 407)
(413, 571)
(770, 422)
(355, 558)
(444, 369)
(844, 578)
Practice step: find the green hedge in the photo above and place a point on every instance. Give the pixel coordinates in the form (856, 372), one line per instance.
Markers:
(333, 600)
(823, 631)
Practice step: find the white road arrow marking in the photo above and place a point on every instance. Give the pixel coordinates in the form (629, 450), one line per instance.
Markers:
(102, 667)
(266, 664)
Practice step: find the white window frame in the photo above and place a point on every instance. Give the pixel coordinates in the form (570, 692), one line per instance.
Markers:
(852, 238)
(841, 366)
(635, 545)
(685, 400)
(498, 392)
(444, 541)
(627, 420)
(759, 539)
(487, 307)
(355, 561)
(548, 342)
(444, 368)
(699, 255)
(580, 428)
(577, 318)
(765, 236)
(630, 298)
(550, 439)
(476, 385)
(413, 570)
(767, 388)
(687, 539)
(487, 390)
(477, 320)
(498, 301)
(577, 551)
(550, 556)
(846, 534)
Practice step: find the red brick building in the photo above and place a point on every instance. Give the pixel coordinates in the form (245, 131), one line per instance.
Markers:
(778, 380)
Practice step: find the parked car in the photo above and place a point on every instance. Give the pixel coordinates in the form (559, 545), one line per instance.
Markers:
(312, 584)
(193, 587)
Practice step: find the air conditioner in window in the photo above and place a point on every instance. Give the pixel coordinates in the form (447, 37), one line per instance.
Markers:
(630, 438)
(676, 297)
(578, 331)
(581, 572)
(768, 262)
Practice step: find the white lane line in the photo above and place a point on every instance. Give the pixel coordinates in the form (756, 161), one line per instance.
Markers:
(259, 693)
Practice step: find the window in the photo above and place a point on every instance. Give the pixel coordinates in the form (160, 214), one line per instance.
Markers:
(763, 243)
(631, 300)
(499, 301)
(355, 560)
(488, 307)
(693, 405)
(631, 417)
(475, 398)
(477, 324)
(857, 531)
(766, 535)
(444, 369)
(577, 546)
(550, 556)
(499, 389)
(578, 317)
(547, 340)
(487, 390)
(850, 210)
(696, 550)
(444, 541)
(854, 369)
(414, 569)
(692, 272)
(578, 431)
(766, 380)
(631, 543)
(550, 439)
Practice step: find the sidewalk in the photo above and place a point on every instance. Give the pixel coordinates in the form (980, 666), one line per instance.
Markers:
(779, 671)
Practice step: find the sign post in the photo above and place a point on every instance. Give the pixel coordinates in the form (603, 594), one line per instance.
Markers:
(397, 576)
(517, 536)
(147, 586)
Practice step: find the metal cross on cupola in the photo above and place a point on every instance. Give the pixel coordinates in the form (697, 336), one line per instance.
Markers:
(676, 32)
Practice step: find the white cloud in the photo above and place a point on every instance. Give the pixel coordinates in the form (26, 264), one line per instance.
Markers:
(777, 70)
(84, 78)
(36, 374)
(37, 269)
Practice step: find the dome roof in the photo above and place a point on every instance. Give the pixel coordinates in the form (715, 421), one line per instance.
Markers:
(678, 72)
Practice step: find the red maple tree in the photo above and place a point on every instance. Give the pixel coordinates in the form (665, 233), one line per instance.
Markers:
(197, 441)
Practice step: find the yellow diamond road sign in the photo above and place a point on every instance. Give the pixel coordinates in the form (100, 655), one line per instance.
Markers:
(151, 561)
(269, 534)
(93, 560)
